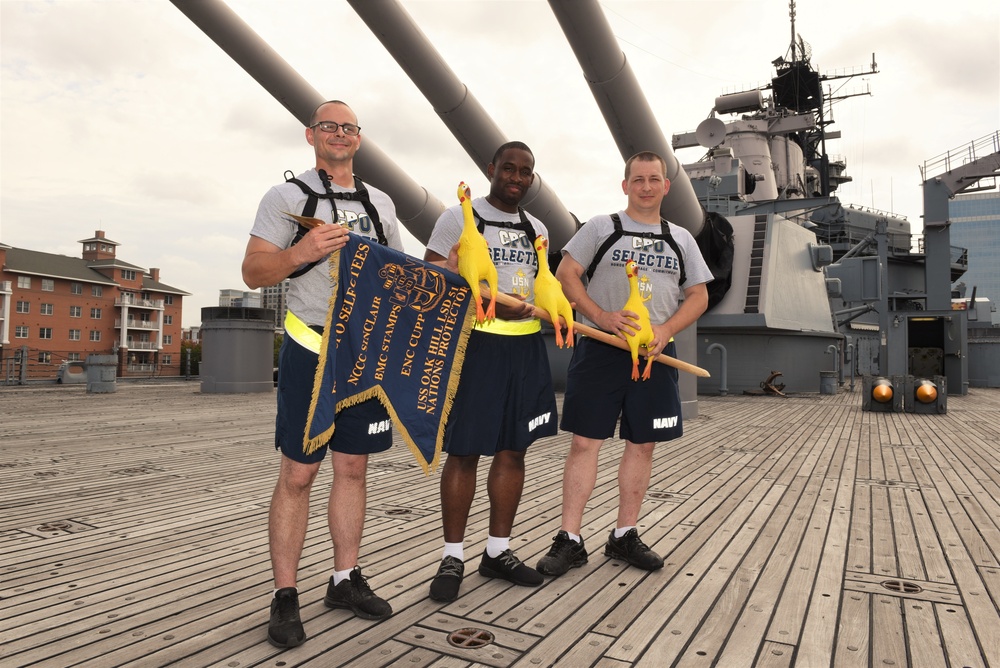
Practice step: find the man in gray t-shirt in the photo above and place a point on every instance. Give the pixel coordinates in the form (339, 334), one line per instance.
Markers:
(505, 400)
(599, 386)
(278, 250)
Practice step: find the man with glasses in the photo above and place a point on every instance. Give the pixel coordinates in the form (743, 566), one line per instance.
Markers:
(278, 249)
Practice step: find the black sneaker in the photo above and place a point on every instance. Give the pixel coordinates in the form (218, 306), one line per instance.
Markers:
(564, 554)
(355, 594)
(285, 628)
(508, 567)
(444, 586)
(631, 549)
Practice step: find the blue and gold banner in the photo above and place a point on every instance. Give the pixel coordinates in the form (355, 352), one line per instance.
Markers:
(396, 330)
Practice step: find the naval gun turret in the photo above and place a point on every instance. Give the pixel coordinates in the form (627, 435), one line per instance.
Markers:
(457, 107)
(766, 170)
(623, 104)
(416, 208)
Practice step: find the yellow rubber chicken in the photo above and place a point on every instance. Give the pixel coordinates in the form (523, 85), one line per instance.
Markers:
(474, 261)
(644, 336)
(549, 295)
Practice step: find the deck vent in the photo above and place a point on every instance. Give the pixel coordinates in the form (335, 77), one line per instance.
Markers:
(145, 469)
(57, 528)
(902, 587)
(470, 638)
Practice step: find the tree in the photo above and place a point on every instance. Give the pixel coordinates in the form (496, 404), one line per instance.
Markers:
(194, 350)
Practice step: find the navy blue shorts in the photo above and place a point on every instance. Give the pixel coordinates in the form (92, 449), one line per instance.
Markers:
(599, 388)
(505, 398)
(359, 430)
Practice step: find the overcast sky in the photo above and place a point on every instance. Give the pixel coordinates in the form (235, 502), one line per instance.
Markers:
(121, 115)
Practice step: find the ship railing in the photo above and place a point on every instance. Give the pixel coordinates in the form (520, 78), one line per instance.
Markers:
(877, 212)
(842, 233)
(959, 255)
(957, 157)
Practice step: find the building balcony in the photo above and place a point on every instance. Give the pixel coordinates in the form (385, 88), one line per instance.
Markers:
(141, 345)
(141, 368)
(136, 324)
(131, 300)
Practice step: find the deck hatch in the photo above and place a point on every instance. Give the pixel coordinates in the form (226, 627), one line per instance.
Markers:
(401, 513)
(470, 638)
(144, 469)
(902, 586)
(57, 528)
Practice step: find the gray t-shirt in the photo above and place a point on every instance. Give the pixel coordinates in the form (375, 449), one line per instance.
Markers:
(659, 270)
(511, 249)
(309, 294)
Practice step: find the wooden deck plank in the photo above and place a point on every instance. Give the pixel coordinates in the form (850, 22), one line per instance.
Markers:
(817, 645)
(665, 648)
(959, 638)
(859, 551)
(931, 553)
(923, 639)
(854, 629)
(776, 655)
(884, 558)
(768, 564)
(789, 615)
(888, 634)
(949, 522)
(908, 558)
(133, 529)
(717, 591)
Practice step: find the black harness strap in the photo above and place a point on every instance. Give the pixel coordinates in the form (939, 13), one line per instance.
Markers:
(360, 194)
(524, 226)
(664, 235)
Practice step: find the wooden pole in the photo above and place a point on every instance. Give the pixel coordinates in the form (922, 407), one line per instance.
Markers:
(603, 336)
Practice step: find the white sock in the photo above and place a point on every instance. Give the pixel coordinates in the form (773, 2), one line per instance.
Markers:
(619, 532)
(340, 576)
(574, 537)
(454, 550)
(495, 546)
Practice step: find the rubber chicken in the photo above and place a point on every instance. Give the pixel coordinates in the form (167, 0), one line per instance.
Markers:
(644, 336)
(549, 295)
(474, 261)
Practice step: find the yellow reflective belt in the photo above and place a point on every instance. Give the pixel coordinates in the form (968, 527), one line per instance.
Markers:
(300, 332)
(511, 327)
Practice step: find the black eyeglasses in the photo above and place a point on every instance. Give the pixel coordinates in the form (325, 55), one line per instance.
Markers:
(330, 127)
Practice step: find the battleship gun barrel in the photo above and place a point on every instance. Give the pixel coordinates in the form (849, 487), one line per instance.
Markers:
(458, 108)
(416, 209)
(623, 104)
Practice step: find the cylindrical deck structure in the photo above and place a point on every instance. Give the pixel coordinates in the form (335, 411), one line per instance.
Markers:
(237, 350)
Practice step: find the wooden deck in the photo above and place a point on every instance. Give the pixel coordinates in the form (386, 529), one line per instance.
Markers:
(798, 531)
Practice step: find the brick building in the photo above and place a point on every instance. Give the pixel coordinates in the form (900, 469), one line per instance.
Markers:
(56, 309)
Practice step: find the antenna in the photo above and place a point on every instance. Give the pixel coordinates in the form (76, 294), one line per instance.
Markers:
(791, 14)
